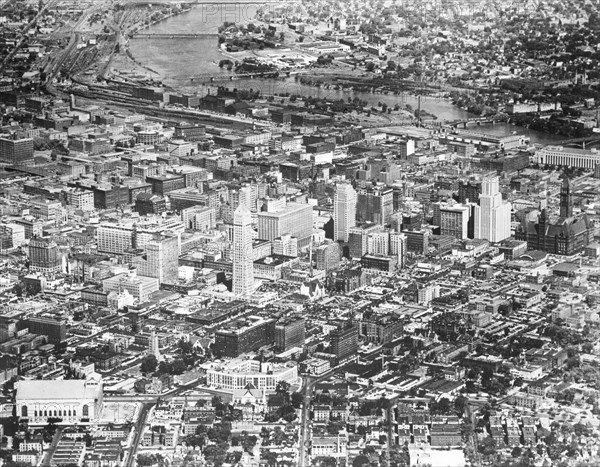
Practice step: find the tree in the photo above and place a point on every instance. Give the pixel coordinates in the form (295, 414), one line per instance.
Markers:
(516, 452)
(488, 446)
(370, 67)
(391, 65)
(283, 389)
(296, 400)
(460, 404)
(149, 364)
(360, 461)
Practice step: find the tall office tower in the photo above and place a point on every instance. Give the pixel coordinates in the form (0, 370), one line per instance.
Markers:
(243, 266)
(344, 211)
(285, 245)
(378, 243)
(244, 335)
(201, 218)
(328, 256)
(344, 342)
(469, 192)
(248, 195)
(16, 151)
(398, 247)
(55, 329)
(113, 238)
(374, 204)
(492, 216)
(160, 259)
(452, 219)
(153, 346)
(44, 255)
(289, 333)
(295, 219)
(566, 199)
(358, 239)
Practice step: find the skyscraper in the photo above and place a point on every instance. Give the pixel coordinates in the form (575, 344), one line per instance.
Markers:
(375, 204)
(16, 150)
(295, 219)
(44, 255)
(289, 333)
(344, 211)
(452, 219)
(243, 272)
(344, 342)
(492, 216)
(161, 259)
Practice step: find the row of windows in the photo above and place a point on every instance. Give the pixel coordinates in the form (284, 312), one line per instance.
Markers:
(55, 413)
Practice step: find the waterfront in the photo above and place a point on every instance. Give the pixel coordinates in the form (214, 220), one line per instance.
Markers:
(179, 61)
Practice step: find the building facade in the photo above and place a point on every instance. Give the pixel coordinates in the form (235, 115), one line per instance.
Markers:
(344, 211)
(243, 265)
(71, 401)
(492, 216)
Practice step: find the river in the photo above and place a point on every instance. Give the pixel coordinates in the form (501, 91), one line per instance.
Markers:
(177, 61)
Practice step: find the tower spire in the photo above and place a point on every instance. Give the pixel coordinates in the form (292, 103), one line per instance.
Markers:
(566, 198)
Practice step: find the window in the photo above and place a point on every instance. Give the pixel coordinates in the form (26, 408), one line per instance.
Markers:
(86, 411)
(24, 411)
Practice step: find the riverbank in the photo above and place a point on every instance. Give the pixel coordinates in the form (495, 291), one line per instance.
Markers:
(186, 65)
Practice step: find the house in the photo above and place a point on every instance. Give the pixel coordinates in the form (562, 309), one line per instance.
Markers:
(321, 413)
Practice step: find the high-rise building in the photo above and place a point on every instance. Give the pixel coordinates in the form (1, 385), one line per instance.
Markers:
(296, 219)
(427, 294)
(54, 329)
(199, 218)
(344, 211)
(344, 342)
(16, 151)
(45, 209)
(452, 219)
(492, 216)
(122, 237)
(160, 259)
(374, 204)
(44, 255)
(469, 191)
(289, 333)
(114, 238)
(244, 335)
(398, 247)
(378, 243)
(153, 345)
(358, 239)
(327, 256)
(15, 235)
(286, 245)
(79, 199)
(147, 203)
(243, 268)
(139, 286)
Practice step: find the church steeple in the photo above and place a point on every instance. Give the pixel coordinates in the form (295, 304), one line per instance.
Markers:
(566, 199)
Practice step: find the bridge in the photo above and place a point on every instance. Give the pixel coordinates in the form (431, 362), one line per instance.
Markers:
(224, 5)
(175, 36)
(207, 77)
(476, 121)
